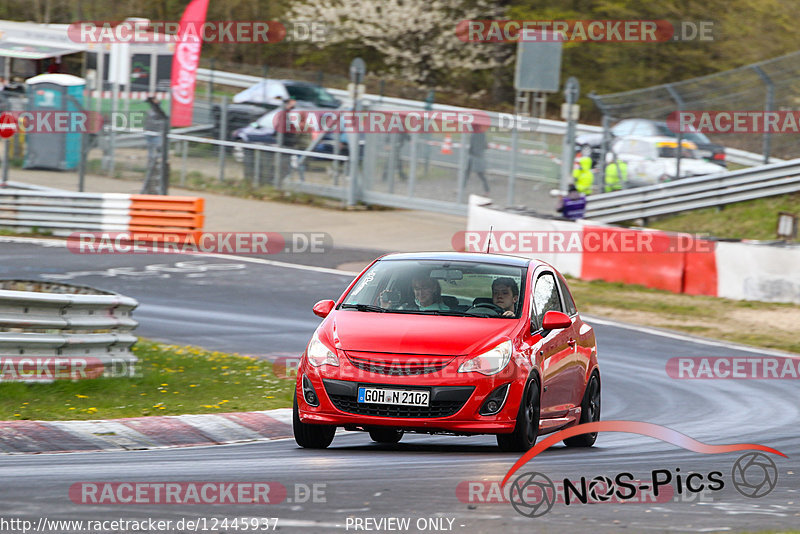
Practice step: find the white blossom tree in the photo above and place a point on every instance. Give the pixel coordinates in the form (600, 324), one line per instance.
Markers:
(416, 39)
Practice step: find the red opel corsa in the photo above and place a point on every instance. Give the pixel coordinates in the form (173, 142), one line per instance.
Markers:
(453, 343)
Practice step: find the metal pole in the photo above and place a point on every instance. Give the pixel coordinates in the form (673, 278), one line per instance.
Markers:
(412, 168)
(678, 100)
(211, 84)
(769, 105)
(5, 160)
(604, 151)
(512, 172)
(151, 85)
(276, 156)
(223, 128)
(165, 156)
(462, 169)
(571, 93)
(114, 107)
(184, 158)
(358, 69)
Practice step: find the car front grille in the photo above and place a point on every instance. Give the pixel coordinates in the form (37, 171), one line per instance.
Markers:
(445, 400)
(400, 367)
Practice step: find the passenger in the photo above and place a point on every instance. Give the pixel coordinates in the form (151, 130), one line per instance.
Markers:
(505, 295)
(428, 294)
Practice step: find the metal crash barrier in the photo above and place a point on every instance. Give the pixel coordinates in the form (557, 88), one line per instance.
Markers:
(51, 331)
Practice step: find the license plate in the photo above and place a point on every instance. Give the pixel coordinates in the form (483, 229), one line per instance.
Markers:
(403, 397)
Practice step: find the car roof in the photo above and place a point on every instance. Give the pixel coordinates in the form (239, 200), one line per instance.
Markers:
(497, 259)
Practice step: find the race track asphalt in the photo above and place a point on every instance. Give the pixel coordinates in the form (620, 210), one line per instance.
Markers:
(250, 307)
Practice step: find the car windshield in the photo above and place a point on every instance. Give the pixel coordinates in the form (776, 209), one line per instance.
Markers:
(310, 93)
(670, 150)
(435, 287)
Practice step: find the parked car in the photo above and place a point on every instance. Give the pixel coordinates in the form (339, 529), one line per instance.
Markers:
(706, 149)
(652, 160)
(253, 102)
(478, 361)
(263, 131)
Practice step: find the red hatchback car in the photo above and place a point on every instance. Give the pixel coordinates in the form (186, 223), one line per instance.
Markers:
(453, 343)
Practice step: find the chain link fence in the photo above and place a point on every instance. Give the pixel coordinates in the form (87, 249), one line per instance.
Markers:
(772, 85)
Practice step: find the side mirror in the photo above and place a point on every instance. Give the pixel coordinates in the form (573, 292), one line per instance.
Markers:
(324, 307)
(554, 320)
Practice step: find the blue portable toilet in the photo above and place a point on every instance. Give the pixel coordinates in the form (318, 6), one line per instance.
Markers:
(56, 150)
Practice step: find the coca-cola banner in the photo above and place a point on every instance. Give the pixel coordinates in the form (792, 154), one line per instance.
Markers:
(184, 63)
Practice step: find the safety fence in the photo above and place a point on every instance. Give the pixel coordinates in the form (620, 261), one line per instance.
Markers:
(63, 212)
(675, 262)
(54, 331)
(694, 193)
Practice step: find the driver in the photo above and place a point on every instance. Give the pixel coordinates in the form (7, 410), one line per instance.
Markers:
(505, 294)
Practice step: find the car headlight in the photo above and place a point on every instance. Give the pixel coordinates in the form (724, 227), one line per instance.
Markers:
(490, 362)
(319, 354)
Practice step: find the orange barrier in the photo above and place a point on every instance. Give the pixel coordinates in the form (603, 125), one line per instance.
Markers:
(174, 215)
(700, 270)
(631, 257)
(167, 203)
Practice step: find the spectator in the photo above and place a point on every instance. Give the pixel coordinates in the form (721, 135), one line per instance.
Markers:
(475, 160)
(584, 177)
(573, 205)
(398, 140)
(616, 175)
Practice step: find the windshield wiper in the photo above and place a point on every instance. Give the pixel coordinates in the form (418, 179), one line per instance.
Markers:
(363, 308)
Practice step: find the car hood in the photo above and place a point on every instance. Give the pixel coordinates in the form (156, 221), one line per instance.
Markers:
(398, 333)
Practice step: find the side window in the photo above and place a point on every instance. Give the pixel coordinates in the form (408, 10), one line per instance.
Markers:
(623, 128)
(545, 297)
(568, 302)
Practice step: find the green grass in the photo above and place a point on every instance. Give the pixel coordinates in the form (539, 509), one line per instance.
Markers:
(752, 219)
(174, 380)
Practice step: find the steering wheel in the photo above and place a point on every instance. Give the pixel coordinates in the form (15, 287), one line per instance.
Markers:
(490, 306)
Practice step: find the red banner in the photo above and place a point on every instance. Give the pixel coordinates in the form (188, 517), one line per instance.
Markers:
(184, 63)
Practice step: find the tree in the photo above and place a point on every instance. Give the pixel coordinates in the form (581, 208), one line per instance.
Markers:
(414, 39)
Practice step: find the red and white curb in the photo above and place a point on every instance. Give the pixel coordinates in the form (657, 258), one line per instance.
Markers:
(139, 433)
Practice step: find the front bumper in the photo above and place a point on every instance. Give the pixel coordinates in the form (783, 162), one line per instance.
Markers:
(454, 403)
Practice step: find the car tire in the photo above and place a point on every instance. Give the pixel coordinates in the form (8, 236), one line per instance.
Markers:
(310, 436)
(386, 435)
(590, 413)
(527, 428)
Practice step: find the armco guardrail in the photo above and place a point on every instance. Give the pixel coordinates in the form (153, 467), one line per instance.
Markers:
(693, 193)
(50, 331)
(63, 212)
(547, 126)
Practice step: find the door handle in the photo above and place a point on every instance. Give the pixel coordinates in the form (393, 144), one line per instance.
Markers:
(571, 342)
